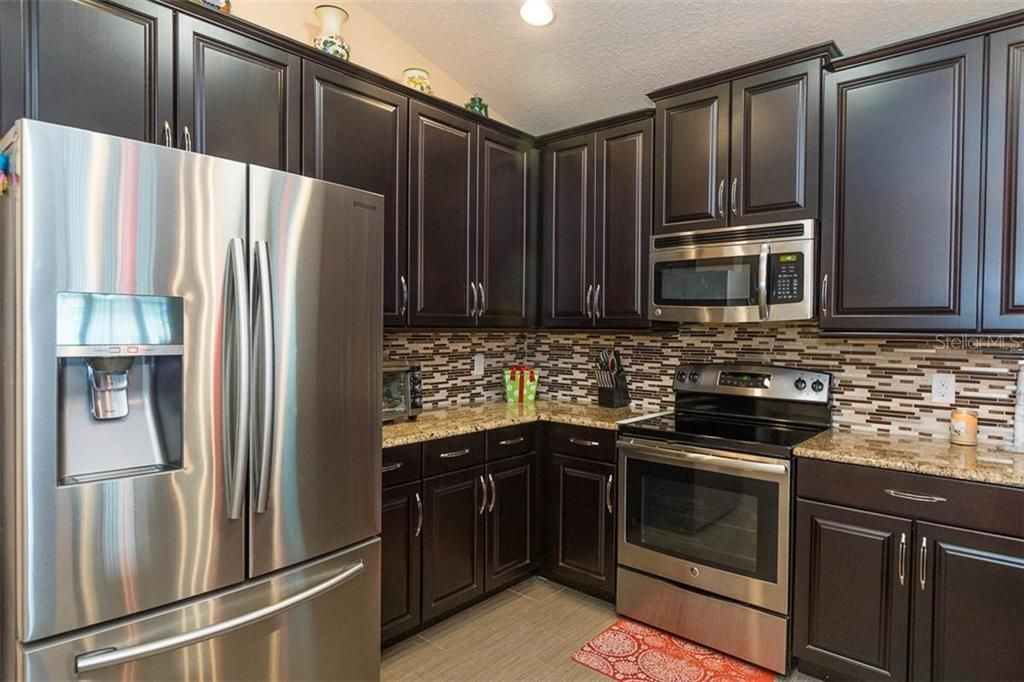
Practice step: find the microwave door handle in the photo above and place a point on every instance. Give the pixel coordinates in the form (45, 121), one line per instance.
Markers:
(762, 281)
(266, 321)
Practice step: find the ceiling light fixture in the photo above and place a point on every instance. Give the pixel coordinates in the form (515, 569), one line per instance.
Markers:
(536, 12)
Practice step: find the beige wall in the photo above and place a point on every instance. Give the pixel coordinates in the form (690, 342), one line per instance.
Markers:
(374, 45)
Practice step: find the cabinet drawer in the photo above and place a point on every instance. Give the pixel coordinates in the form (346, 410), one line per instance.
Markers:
(451, 454)
(400, 464)
(581, 441)
(981, 506)
(510, 441)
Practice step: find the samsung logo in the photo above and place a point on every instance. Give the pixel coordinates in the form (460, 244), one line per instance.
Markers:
(368, 207)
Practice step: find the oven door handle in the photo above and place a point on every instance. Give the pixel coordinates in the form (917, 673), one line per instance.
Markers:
(714, 460)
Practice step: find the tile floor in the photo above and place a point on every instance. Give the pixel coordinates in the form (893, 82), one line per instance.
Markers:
(528, 632)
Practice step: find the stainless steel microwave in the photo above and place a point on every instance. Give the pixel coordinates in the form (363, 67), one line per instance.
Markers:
(753, 273)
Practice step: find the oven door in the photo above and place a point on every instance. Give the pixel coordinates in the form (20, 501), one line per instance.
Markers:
(397, 396)
(744, 282)
(714, 520)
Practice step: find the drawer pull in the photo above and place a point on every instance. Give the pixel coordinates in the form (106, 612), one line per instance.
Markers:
(394, 466)
(914, 497)
(584, 443)
(457, 453)
(511, 441)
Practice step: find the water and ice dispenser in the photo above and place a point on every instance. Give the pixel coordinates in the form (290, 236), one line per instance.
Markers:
(119, 377)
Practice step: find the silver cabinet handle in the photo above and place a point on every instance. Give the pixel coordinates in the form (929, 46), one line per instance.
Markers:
(762, 281)
(419, 515)
(597, 300)
(483, 492)
(264, 312)
(922, 572)
(608, 495)
(483, 299)
(455, 453)
(587, 303)
(733, 193)
(394, 466)
(584, 443)
(721, 198)
(235, 377)
(914, 497)
(405, 295)
(511, 441)
(188, 139)
(903, 559)
(106, 658)
(476, 307)
(824, 294)
(494, 493)
(167, 134)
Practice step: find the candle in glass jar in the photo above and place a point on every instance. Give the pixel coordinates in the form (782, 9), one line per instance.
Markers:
(963, 427)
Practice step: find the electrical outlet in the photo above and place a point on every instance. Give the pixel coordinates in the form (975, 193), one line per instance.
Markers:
(944, 389)
(478, 365)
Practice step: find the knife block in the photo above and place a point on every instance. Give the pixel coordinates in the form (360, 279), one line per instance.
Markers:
(616, 395)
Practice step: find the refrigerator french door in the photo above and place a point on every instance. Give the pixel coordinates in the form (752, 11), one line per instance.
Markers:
(190, 346)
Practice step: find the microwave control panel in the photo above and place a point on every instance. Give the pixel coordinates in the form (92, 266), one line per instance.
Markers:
(787, 278)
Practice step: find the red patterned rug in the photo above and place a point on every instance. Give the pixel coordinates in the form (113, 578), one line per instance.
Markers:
(632, 652)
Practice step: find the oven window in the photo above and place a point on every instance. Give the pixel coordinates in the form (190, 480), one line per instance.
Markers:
(707, 282)
(724, 521)
(396, 399)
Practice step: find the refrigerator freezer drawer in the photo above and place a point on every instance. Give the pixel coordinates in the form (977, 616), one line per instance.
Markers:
(320, 621)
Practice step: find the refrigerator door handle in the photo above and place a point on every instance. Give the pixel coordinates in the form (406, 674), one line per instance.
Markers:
(236, 312)
(265, 319)
(106, 658)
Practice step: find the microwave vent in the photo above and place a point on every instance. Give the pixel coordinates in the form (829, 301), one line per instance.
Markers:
(763, 233)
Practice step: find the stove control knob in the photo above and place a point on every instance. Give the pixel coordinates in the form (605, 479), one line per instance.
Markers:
(817, 387)
(694, 377)
(681, 376)
(800, 384)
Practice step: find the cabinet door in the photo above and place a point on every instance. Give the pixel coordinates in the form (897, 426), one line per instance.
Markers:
(776, 118)
(623, 224)
(901, 180)
(400, 539)
(692, 161)
(852, 591)
(102, 66)
(237, 97)
(502, 258)
(442, 216)
(581, 523)
(1003, 297)
(511, 536)
(355, 134)
(968, 605)
(569, 232)
(453, 540)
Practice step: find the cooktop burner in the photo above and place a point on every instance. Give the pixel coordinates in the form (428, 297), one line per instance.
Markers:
(755, 438)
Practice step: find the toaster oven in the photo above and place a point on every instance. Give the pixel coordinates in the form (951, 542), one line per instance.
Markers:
(403, 391)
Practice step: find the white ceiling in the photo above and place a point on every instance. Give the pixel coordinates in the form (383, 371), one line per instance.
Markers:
(598, 58)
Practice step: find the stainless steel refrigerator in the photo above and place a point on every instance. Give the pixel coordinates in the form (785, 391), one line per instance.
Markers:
(190, 416)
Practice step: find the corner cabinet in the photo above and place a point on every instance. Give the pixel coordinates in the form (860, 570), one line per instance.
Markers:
(739, 152)
(597, 224)
(902, 178)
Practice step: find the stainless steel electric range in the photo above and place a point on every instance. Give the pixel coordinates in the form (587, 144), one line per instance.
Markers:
(705, 496)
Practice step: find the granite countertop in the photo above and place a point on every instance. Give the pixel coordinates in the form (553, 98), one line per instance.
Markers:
(985, 463)
(454, 421)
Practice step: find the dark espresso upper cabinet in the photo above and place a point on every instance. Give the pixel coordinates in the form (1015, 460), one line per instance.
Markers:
(1003, 299)
(355, 134)
(692, 160)
(776, 118)
(237, 98)
(597, 225)
(901, 172)
(503, 259)
(442, 217)
(102, 66)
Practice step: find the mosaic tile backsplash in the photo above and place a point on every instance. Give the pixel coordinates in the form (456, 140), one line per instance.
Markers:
(882, 384)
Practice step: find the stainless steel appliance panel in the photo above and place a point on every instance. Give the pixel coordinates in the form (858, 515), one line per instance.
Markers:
(316, 255)
(97, 214)
(317, 622)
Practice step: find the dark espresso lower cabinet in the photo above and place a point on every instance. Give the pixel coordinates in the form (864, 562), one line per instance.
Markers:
(511, 538)
(401, 538)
